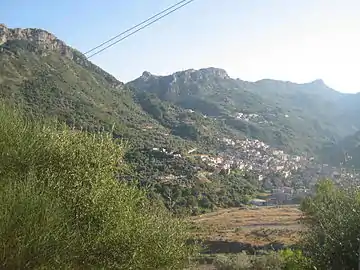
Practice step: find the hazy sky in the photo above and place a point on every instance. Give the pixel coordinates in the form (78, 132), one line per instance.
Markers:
(294, 40)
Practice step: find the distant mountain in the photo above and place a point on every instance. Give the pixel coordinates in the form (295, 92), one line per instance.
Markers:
(295, 117)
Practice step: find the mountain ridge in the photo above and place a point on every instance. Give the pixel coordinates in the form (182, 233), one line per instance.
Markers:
(224, 74)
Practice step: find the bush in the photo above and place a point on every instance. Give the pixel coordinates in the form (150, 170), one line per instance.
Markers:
(294, 260)
(332, 220)
(62, 207)
(241, 261)
(282, 260)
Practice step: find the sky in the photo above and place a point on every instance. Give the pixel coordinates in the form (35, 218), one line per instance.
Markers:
(291, 40)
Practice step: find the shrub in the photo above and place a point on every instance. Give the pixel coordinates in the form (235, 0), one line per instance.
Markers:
(332, 220)
(62, 207)
(243, 261)
(282, 260)
(294, 260)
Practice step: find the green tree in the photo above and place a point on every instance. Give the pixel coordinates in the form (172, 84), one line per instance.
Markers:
(332, 218)
(62, 208)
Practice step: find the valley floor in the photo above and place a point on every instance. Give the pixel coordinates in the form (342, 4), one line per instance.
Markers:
(229, 232)
(258, 226)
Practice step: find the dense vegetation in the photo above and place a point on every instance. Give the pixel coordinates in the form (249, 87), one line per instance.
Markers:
(62, 207)
(182, 187)
(45, 82)
(333, 221)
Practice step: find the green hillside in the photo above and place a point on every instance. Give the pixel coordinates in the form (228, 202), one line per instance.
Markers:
(179, 126)
(45, 78)
(66, 85)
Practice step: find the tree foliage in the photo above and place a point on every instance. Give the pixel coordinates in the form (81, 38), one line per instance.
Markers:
(332, 219)
(61, 207)
(187, 189)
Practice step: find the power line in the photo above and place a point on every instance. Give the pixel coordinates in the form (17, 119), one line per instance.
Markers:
(128, 30)
(146, 25)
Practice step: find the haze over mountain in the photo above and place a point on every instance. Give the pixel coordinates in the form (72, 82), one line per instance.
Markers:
(295, 117)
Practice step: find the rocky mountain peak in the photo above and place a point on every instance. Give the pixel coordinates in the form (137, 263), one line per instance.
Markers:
(146, 75)
(318, 82)
(202, 74)
(217, 72)
(40, 37)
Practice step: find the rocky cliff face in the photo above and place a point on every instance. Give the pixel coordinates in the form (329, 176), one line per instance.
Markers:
(41, 38)
(202, 74)
(190, 75)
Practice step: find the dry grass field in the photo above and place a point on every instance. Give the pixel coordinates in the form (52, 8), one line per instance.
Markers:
(255, 226)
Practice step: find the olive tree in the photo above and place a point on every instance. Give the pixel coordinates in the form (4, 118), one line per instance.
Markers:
(332, 220)
(62, 207)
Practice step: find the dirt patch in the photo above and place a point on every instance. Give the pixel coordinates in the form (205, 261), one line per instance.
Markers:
(258, 226)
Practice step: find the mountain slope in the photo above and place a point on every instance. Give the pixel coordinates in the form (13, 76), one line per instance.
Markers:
(43, 76)
(294, 117)
(345, 153)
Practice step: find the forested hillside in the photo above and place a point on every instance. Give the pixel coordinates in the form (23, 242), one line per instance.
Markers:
(44, 77)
